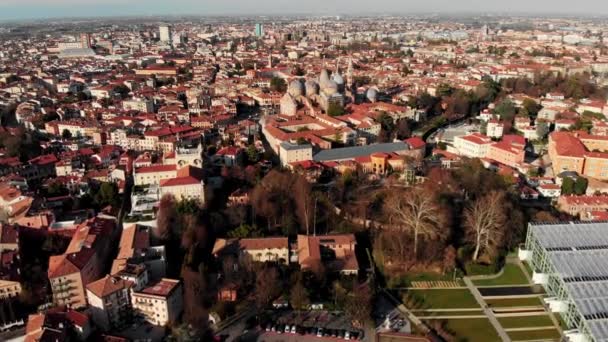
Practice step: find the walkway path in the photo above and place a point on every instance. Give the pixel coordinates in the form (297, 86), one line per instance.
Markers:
(487, 310)
(548, 327)
(452, 317)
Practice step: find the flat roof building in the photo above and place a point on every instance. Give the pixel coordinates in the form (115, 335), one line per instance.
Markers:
(570, 260)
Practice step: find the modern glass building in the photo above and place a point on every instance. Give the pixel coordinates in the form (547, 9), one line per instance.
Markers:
(571, 261)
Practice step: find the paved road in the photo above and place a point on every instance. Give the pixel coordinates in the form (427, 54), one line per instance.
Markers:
(487, 311)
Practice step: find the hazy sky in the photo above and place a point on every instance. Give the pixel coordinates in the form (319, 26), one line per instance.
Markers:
(19, 9)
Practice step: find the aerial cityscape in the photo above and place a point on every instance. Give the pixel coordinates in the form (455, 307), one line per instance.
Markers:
(322, 176)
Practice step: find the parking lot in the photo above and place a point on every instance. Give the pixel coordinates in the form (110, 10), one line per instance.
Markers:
(310, 325)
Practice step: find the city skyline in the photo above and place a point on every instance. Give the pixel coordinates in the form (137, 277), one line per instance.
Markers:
(40, 9)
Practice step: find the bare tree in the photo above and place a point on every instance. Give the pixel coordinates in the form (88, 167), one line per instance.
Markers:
(449, 259)
(195, 287)
(359, 305)
(298, 296)
(485, 222)
(267, 286)
(303, 201)
(167, 217)
(416, 212)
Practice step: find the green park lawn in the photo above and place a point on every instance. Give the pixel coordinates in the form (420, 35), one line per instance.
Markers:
(525, 321)
(422, 313)
(544, 334)
(514, 302)
(439, 299)
(512, 275)
(472, 330)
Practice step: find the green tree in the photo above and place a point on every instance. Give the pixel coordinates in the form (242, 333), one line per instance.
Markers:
(567, 186)
(335, 109)
(506, 110)
(278, 84)
(444, 90)
(244, 231)
(66, 134)
(107, 195)
(252, 154)
(580, 186)
(530, 107)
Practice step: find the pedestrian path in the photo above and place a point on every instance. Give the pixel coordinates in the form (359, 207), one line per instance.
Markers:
(548, 327)
(488, 311)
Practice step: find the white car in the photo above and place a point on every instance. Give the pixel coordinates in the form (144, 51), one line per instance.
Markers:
(293, 329)
(347, 335)
(320, 332)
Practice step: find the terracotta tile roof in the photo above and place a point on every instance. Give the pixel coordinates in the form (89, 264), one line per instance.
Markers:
(567, 144)
(77, 318)
(162, 288)
(156, 168)
(60, 266)
(264, 243)
(181, 181)
(107, 285)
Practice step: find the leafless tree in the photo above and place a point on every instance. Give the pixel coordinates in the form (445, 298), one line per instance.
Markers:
(167, 216)
(485, 221)
(267, 286)
(359, 305)
(416, 212)
(303, 201)
(299, 296)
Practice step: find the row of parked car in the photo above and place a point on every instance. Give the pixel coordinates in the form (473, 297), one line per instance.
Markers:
(313, 331)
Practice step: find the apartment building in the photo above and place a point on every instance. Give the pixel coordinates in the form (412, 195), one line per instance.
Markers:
(109, 302)
(135, 249)
(475, 145)
(581, 205)
(160, 303)
(82, 263)
(154, 174)
(582, 153)
(293, 152)
(506, 153)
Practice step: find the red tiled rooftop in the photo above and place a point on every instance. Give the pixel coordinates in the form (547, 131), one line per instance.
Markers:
(156, 168)
(162, 288)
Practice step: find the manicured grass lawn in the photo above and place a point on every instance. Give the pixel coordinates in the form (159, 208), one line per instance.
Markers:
(439, 299)
(528, 269)
(534, 335)
(448, 313)
(525, 321)
(472, 330)
(512, 275)
(514, 302)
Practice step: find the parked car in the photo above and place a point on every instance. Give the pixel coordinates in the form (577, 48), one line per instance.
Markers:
(320, 332)
(347, 335)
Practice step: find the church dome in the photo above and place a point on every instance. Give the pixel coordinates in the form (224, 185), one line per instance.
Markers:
(338, 79)
(312, 88)
(331, 88)
(324, 78)
(289, 106)
(372, 94)
(296, 88)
